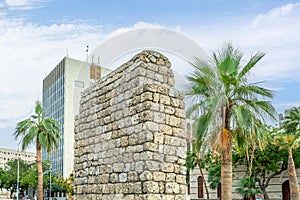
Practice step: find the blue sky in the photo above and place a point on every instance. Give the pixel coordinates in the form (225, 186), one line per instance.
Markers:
(35, 35)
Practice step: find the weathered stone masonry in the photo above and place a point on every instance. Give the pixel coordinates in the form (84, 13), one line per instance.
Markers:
(129, 134)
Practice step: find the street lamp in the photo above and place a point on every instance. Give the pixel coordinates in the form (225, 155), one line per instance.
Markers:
(18, 174)
(50, 180)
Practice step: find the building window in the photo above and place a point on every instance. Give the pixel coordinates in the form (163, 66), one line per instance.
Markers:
(200, 187)
(79, 84)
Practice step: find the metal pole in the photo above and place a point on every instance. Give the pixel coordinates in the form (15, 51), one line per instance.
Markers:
(18, 174)
(50, 180)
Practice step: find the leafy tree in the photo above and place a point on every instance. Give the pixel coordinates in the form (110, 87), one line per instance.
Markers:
(1, 177)
(193, 160)
(44, 132)
(67, 184)
(247, 188)
(290, 140)
(197, 157)
(267, 162)
(214, 173)
(29, 178)
(10, 173)
(227, 103)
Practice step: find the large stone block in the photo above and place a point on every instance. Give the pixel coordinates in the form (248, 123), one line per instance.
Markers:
(130, 134)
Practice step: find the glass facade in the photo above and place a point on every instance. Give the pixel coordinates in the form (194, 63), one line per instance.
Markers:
(53, 105)
(62, 90)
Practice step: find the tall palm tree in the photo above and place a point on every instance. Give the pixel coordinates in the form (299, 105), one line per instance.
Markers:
(228, 104)
(44, 132)
(290, 140)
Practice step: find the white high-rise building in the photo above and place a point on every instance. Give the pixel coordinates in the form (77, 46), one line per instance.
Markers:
(62, 89)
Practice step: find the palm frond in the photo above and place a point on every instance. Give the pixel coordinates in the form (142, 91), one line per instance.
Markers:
(251, 92)
(29, 138)
(262, 109)
(250, 64)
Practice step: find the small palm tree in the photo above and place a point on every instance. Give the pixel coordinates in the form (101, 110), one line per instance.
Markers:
(44, 132)
(289, 140)
(228, 104)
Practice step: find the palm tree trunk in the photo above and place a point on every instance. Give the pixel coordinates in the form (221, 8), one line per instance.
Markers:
(226, 171)
(226, 157)
(201, 172)
(40, 171)
(294, 188)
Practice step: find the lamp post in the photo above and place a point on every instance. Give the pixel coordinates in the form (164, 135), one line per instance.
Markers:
(50, 181)
(18, 174)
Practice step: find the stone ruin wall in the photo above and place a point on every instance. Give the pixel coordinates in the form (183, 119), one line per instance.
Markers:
(129, 135)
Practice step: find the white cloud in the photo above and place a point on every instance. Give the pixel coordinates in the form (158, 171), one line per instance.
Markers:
(23, 4)
(276, 33)
(276, 14)
(137, 25)
(29, 51)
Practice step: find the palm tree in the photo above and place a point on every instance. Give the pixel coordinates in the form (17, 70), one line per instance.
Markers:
(290, 140)
(227, 103)
(44, 132)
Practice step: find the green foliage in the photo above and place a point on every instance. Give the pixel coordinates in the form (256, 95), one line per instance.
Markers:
(291, 122)
(29, 179)
(42, 131)
(38, 127)
(1, 177)
(223, 98)
(247, 187)
(27, 175)
(191, 160)
(267, 162)
(289, 137)
(11, 172)
(190, 163)
(213, 167)
(66, 184)
(214, 175)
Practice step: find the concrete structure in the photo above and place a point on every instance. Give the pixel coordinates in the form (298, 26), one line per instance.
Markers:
(129, 135)
(62, 90)
(10, 154)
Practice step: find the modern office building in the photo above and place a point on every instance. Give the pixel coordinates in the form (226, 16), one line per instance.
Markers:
(10, 154)
(62, 89)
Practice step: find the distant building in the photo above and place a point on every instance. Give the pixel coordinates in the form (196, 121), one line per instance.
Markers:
(61, 95)
(10, 154)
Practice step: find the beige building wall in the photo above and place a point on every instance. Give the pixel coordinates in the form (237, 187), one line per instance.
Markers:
(10, 154)
(75, 83)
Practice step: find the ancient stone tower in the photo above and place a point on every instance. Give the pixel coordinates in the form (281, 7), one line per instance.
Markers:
(129, 134)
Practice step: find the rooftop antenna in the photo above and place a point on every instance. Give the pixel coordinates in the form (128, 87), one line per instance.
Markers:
(67, 52)
(99, 60)
(93, 59)
(87, 53)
